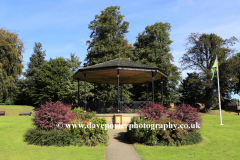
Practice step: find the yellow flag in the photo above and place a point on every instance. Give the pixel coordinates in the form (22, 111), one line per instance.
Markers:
(213, 67)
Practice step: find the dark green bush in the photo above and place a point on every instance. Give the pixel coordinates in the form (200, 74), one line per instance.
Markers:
(171, 136)
(56, 137)
(91, 136)
(192, 138)
(141, 135)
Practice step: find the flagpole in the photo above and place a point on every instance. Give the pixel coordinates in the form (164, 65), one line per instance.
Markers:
(220, 112)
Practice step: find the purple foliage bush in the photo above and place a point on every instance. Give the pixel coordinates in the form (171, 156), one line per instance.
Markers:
(49, 114)
(154, 111)
(186, 114)
(182, 117)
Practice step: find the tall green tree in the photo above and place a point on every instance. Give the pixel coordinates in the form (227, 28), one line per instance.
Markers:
(36, 60)
(72, 85)
(235, 88)
(51, 81)
(108, 33)
(27, 86)
(201, 54)
(11, 50)
(74, 63)
(191, 89)
(108, 42)
(153, 48)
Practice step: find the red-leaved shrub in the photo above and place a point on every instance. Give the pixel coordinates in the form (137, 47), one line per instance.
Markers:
(187, 114)
(49, 114)
(154, 111)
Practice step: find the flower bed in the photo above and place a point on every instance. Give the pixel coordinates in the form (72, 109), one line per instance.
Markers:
(155, 116)
(48, 132)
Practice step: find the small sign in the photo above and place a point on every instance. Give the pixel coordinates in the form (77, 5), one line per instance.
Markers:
(118, 119)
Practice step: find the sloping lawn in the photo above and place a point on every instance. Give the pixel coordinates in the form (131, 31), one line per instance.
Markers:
(219, 142)
(14, 110)
(12, 129)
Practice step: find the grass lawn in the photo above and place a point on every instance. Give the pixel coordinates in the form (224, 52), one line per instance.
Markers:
(229, 113)
(12, 129)
(219, 142)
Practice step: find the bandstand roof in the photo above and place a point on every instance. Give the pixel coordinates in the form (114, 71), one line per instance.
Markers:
(129, 72)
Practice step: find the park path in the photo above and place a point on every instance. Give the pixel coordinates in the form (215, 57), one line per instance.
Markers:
(118, 147)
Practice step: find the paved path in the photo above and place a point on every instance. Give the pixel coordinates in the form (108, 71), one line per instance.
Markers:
(118, 147)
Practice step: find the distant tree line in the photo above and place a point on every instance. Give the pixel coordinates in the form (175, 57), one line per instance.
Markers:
(52, 80)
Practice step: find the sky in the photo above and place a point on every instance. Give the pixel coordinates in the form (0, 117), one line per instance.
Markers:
(62, 25)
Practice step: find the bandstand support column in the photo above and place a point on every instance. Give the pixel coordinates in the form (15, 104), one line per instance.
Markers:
(153, 86)
(162, 90)
(147, 92)
(85, 105)
(118, 87)
(121, 92)
(78, 93)
(94, 94)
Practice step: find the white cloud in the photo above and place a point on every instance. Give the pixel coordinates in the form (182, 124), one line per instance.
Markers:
(69, 46)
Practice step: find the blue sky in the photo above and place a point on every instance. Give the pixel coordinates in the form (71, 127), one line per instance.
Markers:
(62, 25)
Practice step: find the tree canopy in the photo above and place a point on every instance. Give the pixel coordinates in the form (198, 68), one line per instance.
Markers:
(153, 48)
(108, 33)
(191, 89)
(51, 81)
(11, 50)
(72, 85)
(202, 50)
(26, 91)
(235, 87)
(36, 60)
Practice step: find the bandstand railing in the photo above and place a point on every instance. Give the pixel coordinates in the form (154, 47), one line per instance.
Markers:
(112, 106)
